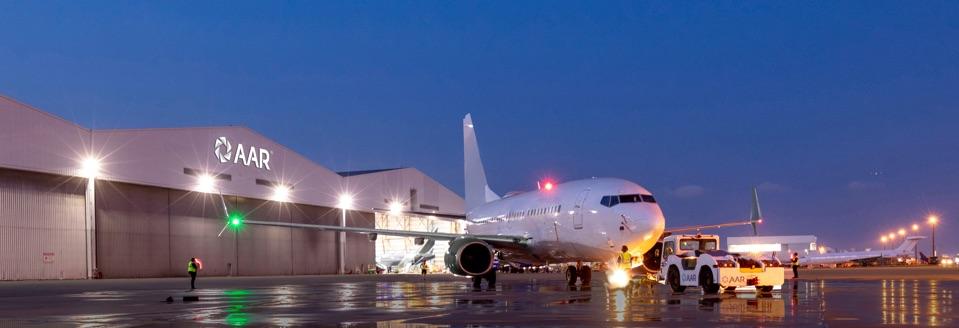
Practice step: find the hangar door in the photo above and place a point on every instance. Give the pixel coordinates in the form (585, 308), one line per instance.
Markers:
(42, 232)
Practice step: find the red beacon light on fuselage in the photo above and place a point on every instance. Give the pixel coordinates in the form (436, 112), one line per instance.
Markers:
(548, 185)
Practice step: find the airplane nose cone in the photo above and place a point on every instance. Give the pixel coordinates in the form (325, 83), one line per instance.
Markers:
(643, 227)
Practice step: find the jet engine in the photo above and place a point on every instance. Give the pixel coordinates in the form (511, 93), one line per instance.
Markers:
(469, 257)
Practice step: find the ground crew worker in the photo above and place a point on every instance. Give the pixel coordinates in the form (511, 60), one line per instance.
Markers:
(424, 268)
(191, 268)
(795, 264)
(625, 259)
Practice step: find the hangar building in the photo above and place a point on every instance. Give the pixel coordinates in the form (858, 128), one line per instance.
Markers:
(81, 203)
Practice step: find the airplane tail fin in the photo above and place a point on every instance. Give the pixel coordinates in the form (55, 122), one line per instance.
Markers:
(908, 244)
(477, 189)
(756, 214)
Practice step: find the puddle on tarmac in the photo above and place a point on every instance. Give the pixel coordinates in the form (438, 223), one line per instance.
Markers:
(515, 302)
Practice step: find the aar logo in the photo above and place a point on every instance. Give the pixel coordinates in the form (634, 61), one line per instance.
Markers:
(223, 151)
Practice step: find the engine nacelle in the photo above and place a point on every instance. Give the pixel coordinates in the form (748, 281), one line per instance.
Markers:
(469, 256)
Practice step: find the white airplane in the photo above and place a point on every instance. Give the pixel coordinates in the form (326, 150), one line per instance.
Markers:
(584, 220)
(904, 250)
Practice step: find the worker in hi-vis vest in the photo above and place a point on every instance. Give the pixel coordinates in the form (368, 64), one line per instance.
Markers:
(625, 259)
(191, 268)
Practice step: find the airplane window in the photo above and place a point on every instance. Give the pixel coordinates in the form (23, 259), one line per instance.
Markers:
(630, 199)
(649, 198)
(605, 201)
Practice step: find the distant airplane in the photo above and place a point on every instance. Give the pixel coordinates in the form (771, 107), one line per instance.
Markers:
(904, 250)
(585, 220)
(409, 260)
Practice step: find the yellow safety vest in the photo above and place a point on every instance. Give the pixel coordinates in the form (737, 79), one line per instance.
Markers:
(625, 260)
(190, 267)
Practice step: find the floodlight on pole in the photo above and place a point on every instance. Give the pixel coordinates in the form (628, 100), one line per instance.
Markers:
(915, 227)
(902, 232)
(933, 221)
(90, 168)
(345, 201)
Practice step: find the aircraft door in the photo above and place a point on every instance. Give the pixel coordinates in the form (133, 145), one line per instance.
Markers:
(580, 209)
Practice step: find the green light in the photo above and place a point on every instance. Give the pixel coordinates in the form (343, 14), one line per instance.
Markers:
(236, 220)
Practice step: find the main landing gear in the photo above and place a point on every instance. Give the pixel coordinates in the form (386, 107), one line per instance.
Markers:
(490, 280)
(584, 273)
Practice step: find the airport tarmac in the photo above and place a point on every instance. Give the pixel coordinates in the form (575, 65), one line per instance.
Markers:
(443, 300)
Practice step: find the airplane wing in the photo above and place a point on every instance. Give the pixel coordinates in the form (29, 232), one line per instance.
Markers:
(417, 213)
(755, 217)
(493, 240)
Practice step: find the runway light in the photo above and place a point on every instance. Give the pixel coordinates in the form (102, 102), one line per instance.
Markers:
(281, 193)
(915, 227)
(90, 167)
(205, 183)
(345, 201)
(618, 278)
(396, 207)
(902, 232)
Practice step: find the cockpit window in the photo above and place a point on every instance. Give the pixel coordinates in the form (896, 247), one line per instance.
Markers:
(609, 201)
(613, 200)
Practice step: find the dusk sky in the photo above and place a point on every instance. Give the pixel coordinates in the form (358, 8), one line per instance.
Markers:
(844, 114)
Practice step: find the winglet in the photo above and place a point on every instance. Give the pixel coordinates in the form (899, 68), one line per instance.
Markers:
(756, 214)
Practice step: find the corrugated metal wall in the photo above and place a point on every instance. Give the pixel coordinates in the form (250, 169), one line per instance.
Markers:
(41, 226)
(153, 232)
(195, 219)
(133, 225)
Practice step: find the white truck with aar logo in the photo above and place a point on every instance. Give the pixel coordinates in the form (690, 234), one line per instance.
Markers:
(697, 261)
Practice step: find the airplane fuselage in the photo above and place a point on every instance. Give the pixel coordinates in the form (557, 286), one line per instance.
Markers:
(576, 220)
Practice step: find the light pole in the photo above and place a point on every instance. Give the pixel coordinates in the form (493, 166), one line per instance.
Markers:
(90, 169)
(915, 248)
(883, 239)
(345, 203)
(933, 220)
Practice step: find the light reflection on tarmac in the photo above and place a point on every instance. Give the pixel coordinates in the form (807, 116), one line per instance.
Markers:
(519, 300)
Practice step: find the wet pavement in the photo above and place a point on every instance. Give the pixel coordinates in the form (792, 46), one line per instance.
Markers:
(439, 301)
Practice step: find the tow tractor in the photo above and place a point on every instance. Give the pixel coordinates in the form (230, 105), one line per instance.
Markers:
(696, 261)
